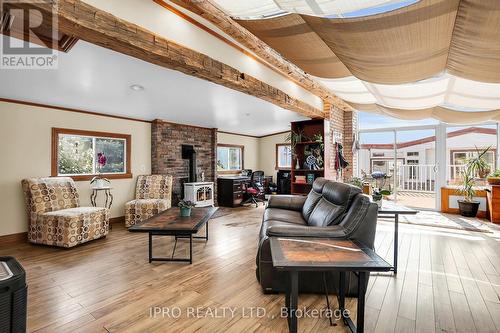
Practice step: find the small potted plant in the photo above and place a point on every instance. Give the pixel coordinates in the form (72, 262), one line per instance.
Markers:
(494, 178)
(99, 181)
(378, 191)
(185, 207)
(468, 207)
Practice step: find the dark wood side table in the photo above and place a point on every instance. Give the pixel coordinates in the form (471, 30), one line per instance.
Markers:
(295, 255)
(391, 210)
(170, 223)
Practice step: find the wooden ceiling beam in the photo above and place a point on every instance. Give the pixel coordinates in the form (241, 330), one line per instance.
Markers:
(76, 18)
(215, 15)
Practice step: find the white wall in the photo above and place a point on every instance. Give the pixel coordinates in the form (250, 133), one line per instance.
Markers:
(267, 153)
(251, 150)
(26, 152)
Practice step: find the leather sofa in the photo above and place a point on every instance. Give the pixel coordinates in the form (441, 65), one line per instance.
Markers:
(330, 210)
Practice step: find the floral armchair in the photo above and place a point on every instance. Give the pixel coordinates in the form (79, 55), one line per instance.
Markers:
(55, 215)
(153, 194)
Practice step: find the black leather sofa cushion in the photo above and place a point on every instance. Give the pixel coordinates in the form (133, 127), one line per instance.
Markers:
(290, 202)
(325, 213)
(285, 215)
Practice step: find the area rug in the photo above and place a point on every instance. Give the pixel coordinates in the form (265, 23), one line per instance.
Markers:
(442, 220)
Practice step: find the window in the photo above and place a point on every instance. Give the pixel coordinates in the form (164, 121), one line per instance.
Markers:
(412, 153)
(75, 154)
(283, 156)
(229, 158)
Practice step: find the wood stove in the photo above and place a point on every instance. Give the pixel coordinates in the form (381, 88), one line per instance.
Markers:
(201, 193)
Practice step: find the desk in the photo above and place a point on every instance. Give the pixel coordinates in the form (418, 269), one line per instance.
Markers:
(296, 255)
(391, 210)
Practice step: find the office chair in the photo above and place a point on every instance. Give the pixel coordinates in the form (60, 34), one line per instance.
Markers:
(256, 188)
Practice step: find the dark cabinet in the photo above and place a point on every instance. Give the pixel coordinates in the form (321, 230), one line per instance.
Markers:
(231, 190)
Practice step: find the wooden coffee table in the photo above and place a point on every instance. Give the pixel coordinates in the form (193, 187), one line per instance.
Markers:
(295, 255)
(170, 223)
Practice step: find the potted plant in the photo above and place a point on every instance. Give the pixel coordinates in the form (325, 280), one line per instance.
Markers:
(479, 166)
(468, 206)
(185, 207)
(378, 195)
(494, 178)
(378, 191)
(99, 181)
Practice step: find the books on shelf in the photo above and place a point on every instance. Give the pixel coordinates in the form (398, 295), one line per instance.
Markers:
(300, 179)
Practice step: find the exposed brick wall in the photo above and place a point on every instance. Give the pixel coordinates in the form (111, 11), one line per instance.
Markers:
(166, 152)
(343, 122)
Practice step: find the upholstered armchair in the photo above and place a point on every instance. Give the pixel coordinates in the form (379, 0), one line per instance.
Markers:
(55, 215)
(153, 194)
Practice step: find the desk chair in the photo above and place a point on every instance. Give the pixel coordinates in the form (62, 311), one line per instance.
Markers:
(256, 188)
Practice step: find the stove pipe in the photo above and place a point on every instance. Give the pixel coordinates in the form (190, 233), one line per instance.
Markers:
(189, 153)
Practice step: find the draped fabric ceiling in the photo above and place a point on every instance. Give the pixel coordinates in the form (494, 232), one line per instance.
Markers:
(433, 58)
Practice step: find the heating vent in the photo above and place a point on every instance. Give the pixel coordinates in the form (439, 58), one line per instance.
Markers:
(6, 21)
(5, 272)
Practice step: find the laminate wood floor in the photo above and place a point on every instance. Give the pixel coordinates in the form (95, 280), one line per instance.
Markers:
(448, 281)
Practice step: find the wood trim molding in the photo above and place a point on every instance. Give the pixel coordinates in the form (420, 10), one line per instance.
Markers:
(60, 108)
(19, 238)
(225, 172)
(117, 220)
(233, 133)
(54, 157)
(223, 21)
(79, 19)
(254, 136)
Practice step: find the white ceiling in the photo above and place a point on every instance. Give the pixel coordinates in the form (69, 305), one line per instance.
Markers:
(96, 79)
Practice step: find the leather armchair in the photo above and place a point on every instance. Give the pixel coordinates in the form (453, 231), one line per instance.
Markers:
(330, 210)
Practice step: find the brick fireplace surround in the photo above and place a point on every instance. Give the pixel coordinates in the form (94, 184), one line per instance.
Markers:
(166, 158)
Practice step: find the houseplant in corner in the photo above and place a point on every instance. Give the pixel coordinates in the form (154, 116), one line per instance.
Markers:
(185, 207)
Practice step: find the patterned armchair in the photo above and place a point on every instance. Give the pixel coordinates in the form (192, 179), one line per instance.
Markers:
(55, 215)
(153, 194)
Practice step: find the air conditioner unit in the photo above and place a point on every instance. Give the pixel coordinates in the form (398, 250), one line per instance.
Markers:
(13, 296)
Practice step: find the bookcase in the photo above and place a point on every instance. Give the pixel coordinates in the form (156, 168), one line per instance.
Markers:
(306, 142)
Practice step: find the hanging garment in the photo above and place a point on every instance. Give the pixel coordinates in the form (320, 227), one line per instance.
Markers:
(340, 161)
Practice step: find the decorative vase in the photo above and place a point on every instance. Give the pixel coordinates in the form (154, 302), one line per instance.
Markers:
(185, 211)
(297, 164)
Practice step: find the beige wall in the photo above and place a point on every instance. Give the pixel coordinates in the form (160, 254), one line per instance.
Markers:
(251, 150)
(267, 153)
(26, 147)
(260, 153)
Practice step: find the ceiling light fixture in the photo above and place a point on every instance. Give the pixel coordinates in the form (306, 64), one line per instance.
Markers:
(137, 87)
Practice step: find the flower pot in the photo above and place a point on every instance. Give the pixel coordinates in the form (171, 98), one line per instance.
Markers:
(377, 199)
(468, 208)
(185, 211)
